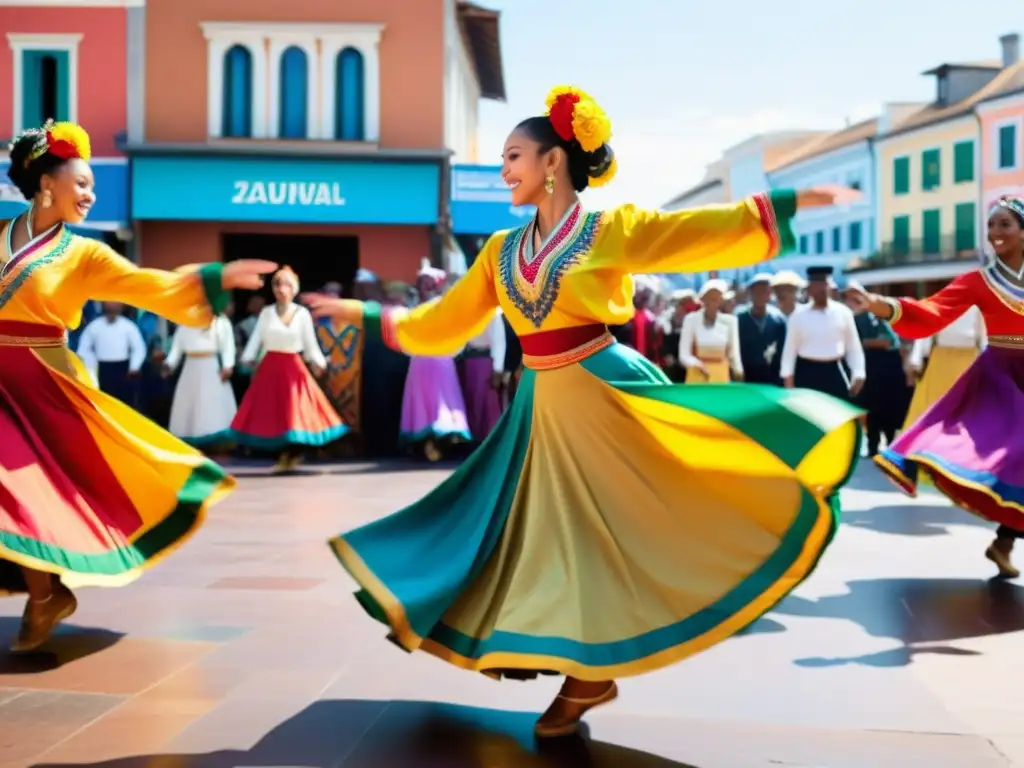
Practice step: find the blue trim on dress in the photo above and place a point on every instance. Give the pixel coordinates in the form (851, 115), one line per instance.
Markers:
(291, 437)
(1006, 492)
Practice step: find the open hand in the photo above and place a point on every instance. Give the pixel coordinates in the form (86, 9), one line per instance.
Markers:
(322, 305)
(872, 302)
(246, 274)
(826, 195)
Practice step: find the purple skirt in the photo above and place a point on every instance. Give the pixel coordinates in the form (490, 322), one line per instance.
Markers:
(432, 404)
(483, 402)
(971, 441)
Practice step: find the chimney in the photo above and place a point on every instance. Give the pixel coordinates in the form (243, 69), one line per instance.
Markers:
(1011, 49)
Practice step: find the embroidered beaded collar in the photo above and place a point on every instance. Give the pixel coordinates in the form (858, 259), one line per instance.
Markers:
(532, 280)
(34, 244)
(1009, 293)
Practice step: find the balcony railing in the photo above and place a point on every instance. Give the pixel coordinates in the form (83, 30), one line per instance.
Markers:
(917, 252)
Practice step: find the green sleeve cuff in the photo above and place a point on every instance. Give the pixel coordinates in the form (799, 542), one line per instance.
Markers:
(213, 285)
(784, 205)
(371, 319)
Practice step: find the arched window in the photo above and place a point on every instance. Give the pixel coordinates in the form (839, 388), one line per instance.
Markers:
(236, 119)
(350, 97)
(294, 94)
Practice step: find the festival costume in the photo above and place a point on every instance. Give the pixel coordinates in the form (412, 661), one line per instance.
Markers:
(482, 360)
(611, 523)
(944, 358)
(203, 404)
(90, 489)
(969, 442)
(284, 405)
(715, 347)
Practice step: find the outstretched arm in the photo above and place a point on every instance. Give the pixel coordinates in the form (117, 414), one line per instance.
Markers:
(438, 328)
(191, 296)
(753, 230)
(921, 318)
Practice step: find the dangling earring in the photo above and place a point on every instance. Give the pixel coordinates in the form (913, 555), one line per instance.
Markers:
(549, 185)
(47, 200)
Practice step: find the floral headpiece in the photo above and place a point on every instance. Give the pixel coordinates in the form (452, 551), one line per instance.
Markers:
(67, 141)
(1014, 204)
(576, 116)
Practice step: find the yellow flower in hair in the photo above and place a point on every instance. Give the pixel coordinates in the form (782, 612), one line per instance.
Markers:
(68, 140)
(604, 178)
(565, 90)
(590, 125)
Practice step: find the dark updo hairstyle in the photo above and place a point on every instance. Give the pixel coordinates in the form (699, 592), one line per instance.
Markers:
(26, 173)
(583, 165)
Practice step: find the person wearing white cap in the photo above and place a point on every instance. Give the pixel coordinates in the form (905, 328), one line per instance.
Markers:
(762, 333)
(709, 345)
(787, 285)
(821, 335)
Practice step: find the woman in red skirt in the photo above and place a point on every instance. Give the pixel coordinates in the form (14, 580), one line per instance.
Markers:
(284, 409)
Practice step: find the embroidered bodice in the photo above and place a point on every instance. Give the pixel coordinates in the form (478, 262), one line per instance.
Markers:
(49, 280)
(581, 274)
(1000, 301)
(273, 334)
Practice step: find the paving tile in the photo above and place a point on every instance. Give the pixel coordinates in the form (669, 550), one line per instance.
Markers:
(126, 667)
(266, 584)
(34, 720)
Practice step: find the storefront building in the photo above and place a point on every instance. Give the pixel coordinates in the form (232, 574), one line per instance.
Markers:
(481, 205)
(70, 61)
(322, 141)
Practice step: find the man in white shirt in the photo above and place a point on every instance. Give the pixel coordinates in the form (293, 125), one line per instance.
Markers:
(112, 348)
(821, 335)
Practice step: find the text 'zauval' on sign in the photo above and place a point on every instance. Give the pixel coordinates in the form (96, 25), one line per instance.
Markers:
(287, 193)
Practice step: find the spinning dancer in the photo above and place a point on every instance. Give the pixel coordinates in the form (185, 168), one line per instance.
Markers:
(971, 441)
(91, 492)
(534, 556)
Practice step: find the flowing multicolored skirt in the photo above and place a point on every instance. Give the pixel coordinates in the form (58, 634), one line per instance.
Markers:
(612, 523)
(970, 443)
(89, 489)
(284, 406)
(483, 401)
(203, 405)
(945, 366)
(432, 404)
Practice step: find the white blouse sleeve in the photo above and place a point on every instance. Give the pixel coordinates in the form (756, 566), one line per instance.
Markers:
(307, 336)
(252, 347)
(687, 336)
(735, 359)
(225, 335)
(175, 353)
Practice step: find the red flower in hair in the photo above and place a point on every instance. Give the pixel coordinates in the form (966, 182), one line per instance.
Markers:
(561, 115)
(65, 150)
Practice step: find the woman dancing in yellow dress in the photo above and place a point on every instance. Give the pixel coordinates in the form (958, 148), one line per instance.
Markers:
(91, 492)
(611, 523)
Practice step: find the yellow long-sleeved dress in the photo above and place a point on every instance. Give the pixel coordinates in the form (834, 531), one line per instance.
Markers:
(89, 489)
(612, 523)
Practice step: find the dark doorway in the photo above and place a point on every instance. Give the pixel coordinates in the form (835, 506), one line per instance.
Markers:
(316, 259)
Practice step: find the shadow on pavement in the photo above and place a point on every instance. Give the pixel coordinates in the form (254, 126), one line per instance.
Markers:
(69, 643)
(907, 520)
(404, 734)
(914, 612)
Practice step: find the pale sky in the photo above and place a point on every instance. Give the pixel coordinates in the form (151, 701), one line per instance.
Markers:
(682, 85)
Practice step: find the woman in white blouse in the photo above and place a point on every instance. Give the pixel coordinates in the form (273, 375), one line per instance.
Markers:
(709, 342)
(949, 353)
(204, 403)
(284, 409)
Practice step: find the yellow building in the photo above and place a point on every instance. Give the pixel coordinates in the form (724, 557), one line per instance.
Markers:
(928, 174)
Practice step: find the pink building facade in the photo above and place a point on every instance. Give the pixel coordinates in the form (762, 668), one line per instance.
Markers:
(70, 60)
(1001, 122)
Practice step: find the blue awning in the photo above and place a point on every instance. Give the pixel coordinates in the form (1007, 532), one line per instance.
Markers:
(111, 209)
(482, 202)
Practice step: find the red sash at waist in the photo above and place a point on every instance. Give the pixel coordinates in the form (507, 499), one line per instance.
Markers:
(15, 333)
(566, 346)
